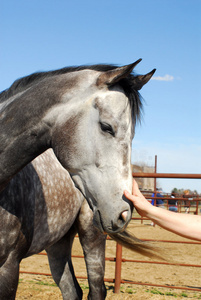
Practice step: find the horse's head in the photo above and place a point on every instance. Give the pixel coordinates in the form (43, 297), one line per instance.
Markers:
(94, 144)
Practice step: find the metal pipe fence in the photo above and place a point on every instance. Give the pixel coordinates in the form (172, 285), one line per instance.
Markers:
(157, 175)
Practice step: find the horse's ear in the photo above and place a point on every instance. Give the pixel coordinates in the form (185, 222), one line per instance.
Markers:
(141, 80)
(113, 76)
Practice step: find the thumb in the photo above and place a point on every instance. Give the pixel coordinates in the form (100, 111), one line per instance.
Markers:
(135, 190)
(129, 196)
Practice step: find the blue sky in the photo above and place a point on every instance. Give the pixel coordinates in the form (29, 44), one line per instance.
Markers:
(166, 34)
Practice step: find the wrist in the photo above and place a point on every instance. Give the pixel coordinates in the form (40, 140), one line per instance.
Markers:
(151, 212)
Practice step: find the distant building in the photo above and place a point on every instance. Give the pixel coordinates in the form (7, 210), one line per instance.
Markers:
(145, 184)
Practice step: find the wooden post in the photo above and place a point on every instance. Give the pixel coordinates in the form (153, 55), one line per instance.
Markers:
(118, 268)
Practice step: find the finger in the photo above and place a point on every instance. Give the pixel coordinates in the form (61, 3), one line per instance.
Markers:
(128, 195)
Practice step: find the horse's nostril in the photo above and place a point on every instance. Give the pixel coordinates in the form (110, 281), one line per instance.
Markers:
(121, 222)
(124, 215)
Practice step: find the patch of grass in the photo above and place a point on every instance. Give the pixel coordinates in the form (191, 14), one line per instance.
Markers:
(39, 282)
(156, 292)
(84, 286)
(45, 283)
(183, 294)
(130, 291)
(173, 294)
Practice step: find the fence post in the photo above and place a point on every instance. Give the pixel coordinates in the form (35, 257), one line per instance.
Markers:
(197, 206)
(155, 193)
(118, 268)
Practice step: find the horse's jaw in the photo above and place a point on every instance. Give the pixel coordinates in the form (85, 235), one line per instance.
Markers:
(108, 219)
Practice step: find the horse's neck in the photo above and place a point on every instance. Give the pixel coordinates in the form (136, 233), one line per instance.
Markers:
(17, 151)
(27, 119)
(24, 134)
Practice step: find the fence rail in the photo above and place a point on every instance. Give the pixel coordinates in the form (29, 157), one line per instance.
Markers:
(166, 175)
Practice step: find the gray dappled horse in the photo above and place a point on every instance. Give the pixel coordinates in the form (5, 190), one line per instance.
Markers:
(87, 115)
(40, 208)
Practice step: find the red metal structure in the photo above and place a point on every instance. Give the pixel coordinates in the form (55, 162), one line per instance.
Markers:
(156, 175)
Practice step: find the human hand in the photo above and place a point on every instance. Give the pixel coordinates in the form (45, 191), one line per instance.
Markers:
(139, 201)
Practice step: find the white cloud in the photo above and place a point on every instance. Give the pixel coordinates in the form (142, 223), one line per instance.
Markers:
(163, 78)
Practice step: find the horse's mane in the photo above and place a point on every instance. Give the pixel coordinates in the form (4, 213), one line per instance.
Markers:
(126, 83)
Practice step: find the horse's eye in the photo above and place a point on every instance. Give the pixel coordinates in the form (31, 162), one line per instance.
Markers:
(107, 128)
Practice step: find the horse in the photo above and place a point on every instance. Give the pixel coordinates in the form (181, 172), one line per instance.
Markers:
(40, 209)
(87, 115)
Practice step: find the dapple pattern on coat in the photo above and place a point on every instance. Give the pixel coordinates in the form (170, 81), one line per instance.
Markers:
(41, 209)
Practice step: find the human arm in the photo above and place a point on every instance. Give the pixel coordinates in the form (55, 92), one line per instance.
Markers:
(186, 225)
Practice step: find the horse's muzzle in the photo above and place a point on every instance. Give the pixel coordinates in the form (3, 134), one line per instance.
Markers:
(111, 224)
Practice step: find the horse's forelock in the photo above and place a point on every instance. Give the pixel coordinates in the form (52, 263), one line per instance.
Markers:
(135, 99)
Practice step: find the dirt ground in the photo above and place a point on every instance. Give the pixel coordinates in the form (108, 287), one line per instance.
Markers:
(43, 287)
